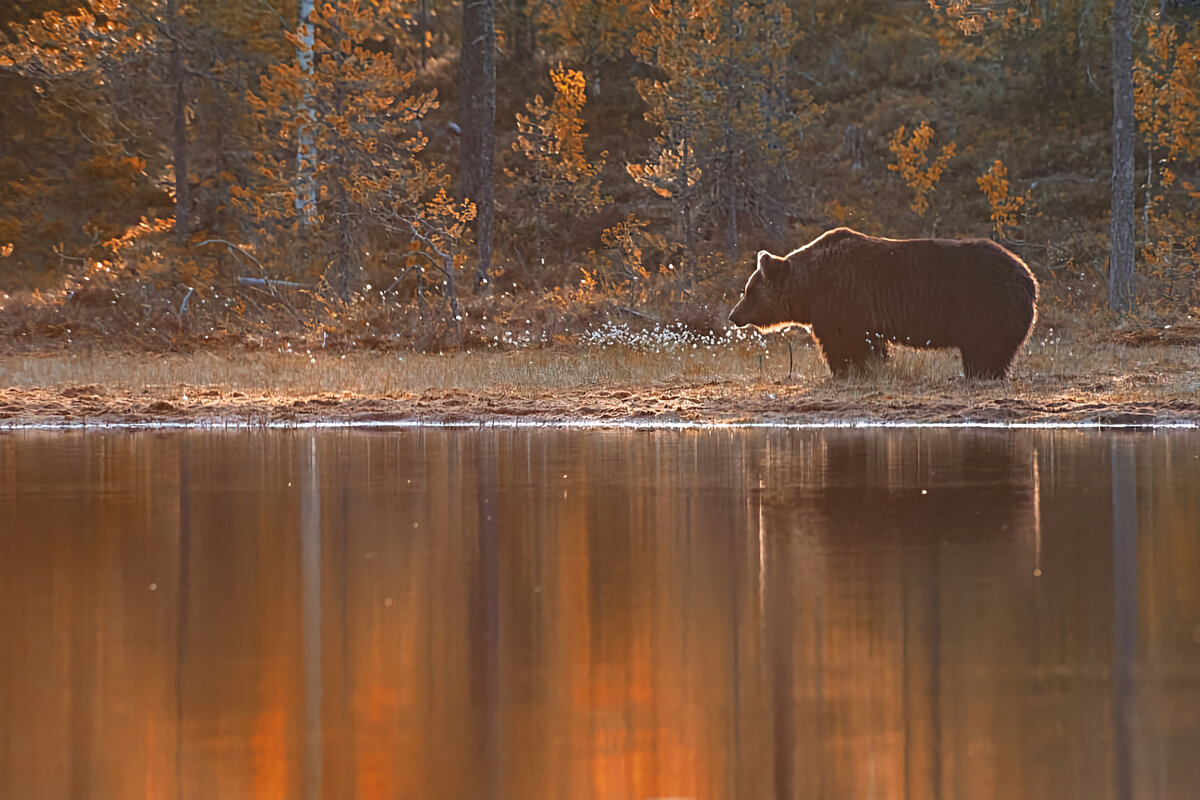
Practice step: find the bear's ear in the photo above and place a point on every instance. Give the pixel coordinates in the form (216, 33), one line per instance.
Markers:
(773, 267)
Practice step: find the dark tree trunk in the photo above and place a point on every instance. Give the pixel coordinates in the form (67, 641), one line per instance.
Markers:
(731, 198)
(683, 191)
(183, 193)
(345, 267)
(854, 148)
(477, 143)
(424, 26)
(524, 36)
(485, 202)
(1121, 257)
(731, 176)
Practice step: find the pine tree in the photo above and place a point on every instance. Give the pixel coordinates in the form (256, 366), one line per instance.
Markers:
(100, 70)
(556, 178)
(156, 90)
(729, 124)
(370, 169)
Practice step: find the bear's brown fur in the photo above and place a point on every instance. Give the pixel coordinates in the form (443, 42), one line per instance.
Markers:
(859, 293)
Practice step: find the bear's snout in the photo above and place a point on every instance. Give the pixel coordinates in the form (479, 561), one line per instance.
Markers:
(738, 315)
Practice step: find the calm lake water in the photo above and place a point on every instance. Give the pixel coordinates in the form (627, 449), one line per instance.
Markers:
(600, 614)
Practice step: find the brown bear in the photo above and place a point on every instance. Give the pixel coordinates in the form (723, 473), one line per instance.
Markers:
(860, 293)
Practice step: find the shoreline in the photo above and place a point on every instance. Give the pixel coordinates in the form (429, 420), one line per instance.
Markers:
(226, 426)
(663, 408)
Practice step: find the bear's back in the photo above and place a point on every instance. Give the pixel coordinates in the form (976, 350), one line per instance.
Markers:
(926, 292)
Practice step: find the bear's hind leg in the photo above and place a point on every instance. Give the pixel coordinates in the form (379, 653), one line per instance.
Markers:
(987, 362)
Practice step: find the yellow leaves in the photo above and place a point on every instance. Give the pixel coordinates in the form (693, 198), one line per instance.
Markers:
(143, 229)
(671, 174)
(350, 115)
(972, 17)
(570, 87)
(6, 249)
(602, 27)
(627, 241)
(1167, 93)
(1005, 207)
(837, 212)
(588, 282)
(914, 165)
(1167, 108)
(551, 138)
(993, 182)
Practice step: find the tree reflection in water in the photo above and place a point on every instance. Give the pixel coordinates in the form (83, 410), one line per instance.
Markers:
(532, 613)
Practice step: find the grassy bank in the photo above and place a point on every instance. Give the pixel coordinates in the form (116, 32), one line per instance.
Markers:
(609, 375)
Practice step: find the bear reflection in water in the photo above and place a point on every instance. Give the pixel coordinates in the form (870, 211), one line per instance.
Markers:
(861, 293)
(923, 485)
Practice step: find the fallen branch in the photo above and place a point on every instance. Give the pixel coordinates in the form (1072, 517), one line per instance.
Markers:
(241, 251)
(269, 283)
(627, 310)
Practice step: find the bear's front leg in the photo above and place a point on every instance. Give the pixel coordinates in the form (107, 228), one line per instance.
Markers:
(844, 354)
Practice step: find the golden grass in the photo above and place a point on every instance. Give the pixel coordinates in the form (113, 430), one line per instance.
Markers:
(375, 373)
(1088, 367)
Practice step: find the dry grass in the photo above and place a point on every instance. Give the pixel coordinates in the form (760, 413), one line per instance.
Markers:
(1060, 378)
(373, 373)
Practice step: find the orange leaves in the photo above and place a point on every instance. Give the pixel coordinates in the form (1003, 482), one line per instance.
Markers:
(672, 174)
(56, 45)
(914, 165)
(730, 119)
(625, 245)
(1005, 206)
(971, 17)
(1167, 109)
(557, 172)
(600, 28)
(349, 120)
(555, 132)
(838, 212)
(1167, 92)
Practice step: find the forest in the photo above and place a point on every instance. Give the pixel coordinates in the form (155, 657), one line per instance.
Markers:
(439, 176)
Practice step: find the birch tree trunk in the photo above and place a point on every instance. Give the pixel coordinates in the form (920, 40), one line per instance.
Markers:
(306, 187)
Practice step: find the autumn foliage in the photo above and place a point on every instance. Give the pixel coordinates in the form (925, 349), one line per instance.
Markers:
(919, 163)
(237, 171)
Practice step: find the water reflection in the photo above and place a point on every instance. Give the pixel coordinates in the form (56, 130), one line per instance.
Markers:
(528, 614)
(1124, 561)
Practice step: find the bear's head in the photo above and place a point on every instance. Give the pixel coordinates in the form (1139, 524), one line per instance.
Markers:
(768, 300)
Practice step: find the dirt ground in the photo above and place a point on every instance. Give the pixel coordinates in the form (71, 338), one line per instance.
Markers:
(91, 405)
(1150, 386)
